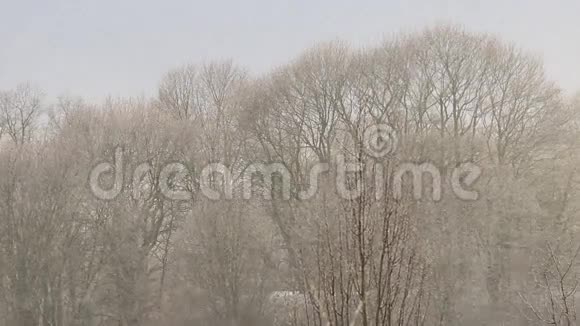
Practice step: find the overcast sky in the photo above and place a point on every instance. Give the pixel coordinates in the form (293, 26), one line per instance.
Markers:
(115, 47)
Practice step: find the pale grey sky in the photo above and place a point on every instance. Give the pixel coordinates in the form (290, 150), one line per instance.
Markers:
(116, 47)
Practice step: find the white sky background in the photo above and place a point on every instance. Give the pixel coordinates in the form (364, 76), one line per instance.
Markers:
(122, 48)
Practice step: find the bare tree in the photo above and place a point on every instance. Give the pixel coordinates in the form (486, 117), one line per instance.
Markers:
(20, 109)
(560, 285)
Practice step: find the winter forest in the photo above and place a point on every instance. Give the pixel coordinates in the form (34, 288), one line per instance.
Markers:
(431, 179)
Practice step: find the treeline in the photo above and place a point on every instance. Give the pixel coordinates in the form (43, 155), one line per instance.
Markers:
(68, 257)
